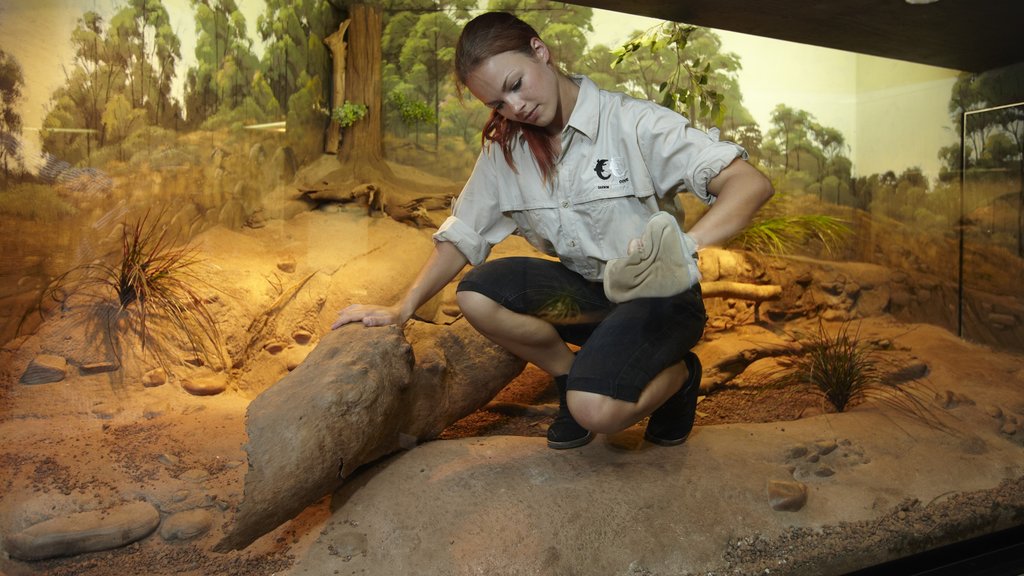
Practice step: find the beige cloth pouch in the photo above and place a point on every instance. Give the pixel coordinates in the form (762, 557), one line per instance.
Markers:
(665, 264)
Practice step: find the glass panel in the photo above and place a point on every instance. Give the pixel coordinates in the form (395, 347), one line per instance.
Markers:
(992, 290)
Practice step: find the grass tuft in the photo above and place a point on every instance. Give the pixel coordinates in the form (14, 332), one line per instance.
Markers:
(150, 276)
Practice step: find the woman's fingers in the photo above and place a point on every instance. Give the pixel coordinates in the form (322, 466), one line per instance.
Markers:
(369, 315)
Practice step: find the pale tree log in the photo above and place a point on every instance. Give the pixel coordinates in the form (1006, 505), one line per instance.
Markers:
(741, 291)
(756, 293)
(361, 394)
(336, 43)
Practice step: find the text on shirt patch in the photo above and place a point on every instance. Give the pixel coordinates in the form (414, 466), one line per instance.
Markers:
(608, 167)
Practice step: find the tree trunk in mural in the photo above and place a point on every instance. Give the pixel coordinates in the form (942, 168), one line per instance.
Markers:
(336, 43)
(362, 144)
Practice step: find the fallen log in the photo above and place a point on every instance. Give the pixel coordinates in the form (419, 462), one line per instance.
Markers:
(361, 394)
(741, 291)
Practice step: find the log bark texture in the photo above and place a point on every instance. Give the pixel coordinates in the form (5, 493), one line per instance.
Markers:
(361, 394)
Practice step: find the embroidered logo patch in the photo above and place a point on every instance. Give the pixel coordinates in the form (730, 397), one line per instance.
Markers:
(608, 167)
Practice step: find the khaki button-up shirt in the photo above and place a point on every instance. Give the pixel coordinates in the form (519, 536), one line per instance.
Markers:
(617, 154)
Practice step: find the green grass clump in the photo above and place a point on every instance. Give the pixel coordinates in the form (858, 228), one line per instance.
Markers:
(779, 235)
(840, 366)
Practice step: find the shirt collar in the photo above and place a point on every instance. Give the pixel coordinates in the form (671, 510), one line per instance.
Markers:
(585, 114)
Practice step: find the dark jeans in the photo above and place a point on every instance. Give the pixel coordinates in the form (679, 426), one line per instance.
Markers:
(622, 346)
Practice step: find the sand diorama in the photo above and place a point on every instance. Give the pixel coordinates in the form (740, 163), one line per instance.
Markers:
(173, 400)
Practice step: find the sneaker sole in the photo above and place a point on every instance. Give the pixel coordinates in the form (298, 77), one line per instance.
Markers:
(663, 442)
(567, 444)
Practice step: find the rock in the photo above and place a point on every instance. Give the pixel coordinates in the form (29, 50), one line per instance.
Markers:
(98, 367)
(301, 337)
(205, 385)
(275, 347)
(786, 495)
(155, 377)
(84, 532)
(358, 393)
(106, 411)
(194, 475)
(44, 369)
(186, 525)
(287, 266)
(168, 460)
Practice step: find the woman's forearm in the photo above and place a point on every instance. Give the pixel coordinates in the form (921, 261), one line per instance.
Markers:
(741, 190)
(441, 267)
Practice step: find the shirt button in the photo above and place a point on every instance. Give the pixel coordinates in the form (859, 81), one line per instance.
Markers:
(565, 204)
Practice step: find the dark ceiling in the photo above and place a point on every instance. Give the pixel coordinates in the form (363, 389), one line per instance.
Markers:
(970, 35)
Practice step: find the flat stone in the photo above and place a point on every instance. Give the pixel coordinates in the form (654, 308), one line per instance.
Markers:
(83, 532)
(44, 369)
(194, 475)
(786, 495)
(98, 367)
(155, 377)
(205, 386)
(186, 525)
(275, 347)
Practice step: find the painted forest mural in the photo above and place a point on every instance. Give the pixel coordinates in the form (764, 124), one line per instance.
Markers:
(219, 131)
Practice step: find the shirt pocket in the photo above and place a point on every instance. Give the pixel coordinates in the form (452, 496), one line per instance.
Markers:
(610, 215)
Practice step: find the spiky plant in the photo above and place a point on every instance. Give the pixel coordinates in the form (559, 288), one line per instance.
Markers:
(778, 235)
(846, 371)
(840, 366)
(149, 276)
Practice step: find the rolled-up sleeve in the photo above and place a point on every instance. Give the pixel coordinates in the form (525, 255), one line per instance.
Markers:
(477, 223)
(679, 155)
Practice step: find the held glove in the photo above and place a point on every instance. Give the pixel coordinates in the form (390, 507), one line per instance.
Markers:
(665, 264)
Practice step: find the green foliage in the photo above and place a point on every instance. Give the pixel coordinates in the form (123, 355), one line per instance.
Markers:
(305, 116)
(773, 232)
(226, 74)
(38, 202)
(148, 277)
(412, 111)
(694, 82)
(292, 32)
(348, 113)
(12, 80)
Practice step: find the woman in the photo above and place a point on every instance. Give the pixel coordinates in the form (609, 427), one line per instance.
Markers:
(576, 171)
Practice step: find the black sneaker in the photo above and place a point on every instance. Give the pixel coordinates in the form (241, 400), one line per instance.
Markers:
(564, 432)
(671, 423)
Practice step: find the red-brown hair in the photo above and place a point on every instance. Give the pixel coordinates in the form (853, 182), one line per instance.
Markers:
(488, 35)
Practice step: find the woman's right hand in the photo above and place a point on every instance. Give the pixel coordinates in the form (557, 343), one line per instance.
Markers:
(369, 315)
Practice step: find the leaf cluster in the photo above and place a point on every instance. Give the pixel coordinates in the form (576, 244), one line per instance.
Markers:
(687, 89)
(348, 113)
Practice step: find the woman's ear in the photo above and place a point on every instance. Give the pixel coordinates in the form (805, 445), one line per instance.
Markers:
(540, 50)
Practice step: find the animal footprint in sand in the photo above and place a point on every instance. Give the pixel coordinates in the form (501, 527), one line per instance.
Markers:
(823, 458)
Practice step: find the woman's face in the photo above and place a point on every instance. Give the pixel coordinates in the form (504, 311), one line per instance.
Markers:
(521, 87)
